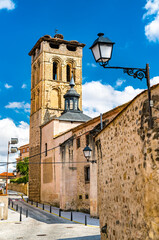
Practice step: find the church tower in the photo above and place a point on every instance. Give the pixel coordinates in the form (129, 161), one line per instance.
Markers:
(53, 62)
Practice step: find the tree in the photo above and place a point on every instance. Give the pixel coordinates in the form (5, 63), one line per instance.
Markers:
(23, 169)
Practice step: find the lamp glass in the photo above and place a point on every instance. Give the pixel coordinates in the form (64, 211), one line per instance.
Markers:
(96, 52)
(106, 52)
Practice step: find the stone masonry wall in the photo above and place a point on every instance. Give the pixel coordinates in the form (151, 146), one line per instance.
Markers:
(22, 188)
(128, 173)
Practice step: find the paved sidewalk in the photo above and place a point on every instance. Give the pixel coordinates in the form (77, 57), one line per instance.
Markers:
(77, 217)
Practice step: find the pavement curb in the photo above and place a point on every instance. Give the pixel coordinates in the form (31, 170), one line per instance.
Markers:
(57, 214)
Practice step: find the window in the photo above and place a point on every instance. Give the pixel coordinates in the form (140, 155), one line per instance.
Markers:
(68, 72)
(53, 45)
(27, 149)
(76, 105)
(87, 173)
(87, 139)
(45, 149)
(78, 142)
(71, 104)
(66, 104)
(71, 48)
(55, 71)
(23, 150)
(86, 196)
(80, 196)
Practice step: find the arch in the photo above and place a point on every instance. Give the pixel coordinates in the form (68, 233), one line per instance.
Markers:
(72, 64)
(68, 72)
(55, 98)
(33, 103)
(56, 68)
(37, 100)
(38, 72)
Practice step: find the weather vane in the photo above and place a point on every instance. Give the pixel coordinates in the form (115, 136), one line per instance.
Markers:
(56, 30)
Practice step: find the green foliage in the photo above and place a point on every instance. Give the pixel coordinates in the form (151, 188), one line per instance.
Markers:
(23, 169)
(20, 180)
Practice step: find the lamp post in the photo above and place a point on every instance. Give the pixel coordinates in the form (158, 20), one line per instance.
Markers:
(87, 153)
(13, 150)
(102, 51)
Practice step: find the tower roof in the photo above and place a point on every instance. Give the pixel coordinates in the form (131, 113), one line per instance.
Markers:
(57, 39)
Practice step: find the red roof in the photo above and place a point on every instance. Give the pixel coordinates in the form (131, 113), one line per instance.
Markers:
(4, 174)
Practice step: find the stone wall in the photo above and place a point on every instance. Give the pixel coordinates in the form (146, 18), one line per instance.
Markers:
(22, 188)
(3, 207)
(128, 173)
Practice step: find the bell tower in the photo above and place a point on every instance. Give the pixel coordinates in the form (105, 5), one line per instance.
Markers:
(53, 62)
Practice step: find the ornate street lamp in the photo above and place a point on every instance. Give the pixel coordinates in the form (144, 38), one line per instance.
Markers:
(102, 51)
(87, 153)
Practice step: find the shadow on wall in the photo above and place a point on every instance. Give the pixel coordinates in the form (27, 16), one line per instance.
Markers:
(94, 237)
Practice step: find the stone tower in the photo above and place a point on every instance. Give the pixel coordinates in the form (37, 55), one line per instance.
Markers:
(53, 62)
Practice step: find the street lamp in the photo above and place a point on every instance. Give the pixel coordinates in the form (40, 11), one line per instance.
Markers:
(87, 153)
(102, 51)
(13, 150)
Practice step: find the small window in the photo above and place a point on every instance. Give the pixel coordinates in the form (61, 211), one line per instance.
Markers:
(23, 150)
(45, 149)
(71, 48)
(78, 142)
(66, 104)
(27, 149)
(53, 45)
(87, 174)
(68, 72)
(76, 105)
(80, 196)
(87, 139)
(54, 71)
(86, 196)
(71, 104)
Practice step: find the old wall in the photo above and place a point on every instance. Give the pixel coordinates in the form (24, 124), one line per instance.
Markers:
(128, 173)
(87, 189)
(51, 165)
(22, 188)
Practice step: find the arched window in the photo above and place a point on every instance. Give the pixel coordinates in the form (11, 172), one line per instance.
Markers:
(68, 73)
(55, 66)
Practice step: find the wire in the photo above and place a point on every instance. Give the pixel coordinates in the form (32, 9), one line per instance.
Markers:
(74, 137)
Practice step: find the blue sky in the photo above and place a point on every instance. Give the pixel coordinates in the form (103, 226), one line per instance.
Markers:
(133, 25)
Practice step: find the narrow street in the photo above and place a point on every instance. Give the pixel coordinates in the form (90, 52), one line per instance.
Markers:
(42, 225)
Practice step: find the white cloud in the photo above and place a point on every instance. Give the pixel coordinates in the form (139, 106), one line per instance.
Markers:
(24, 86)
(99, 98)
(7, 4)
(152, 14)
(119, 82)
(91, 65)
(9, 129)
(8, 86)
(19, 105)
(154, 80)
